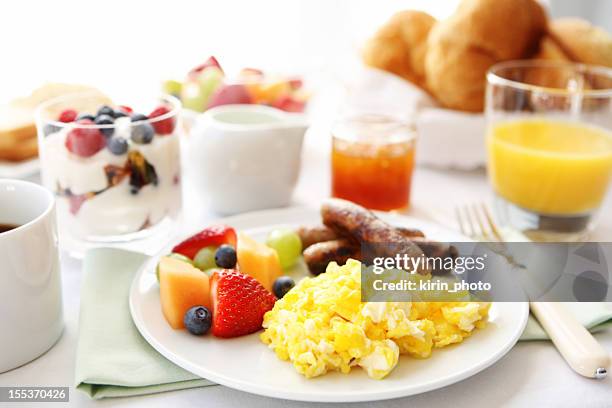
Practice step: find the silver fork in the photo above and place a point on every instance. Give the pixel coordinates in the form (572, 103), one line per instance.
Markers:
(577, 346)
(476, 222)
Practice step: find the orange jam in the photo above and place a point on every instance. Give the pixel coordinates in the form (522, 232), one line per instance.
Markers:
(372, 162)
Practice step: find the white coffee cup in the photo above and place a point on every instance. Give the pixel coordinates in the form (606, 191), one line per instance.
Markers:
(30, 284)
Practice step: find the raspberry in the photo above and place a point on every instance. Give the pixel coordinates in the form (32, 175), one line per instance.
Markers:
(165, 126)
(85, 141)
(67, 116)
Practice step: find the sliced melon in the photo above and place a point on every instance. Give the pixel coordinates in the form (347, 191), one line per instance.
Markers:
(258, 260)
(181, 286)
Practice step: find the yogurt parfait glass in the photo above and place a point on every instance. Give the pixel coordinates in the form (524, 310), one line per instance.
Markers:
(115, 171)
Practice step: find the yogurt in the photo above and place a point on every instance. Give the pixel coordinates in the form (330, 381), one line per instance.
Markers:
(109, 194)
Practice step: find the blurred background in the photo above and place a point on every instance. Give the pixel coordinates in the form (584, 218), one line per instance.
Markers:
(126, 46)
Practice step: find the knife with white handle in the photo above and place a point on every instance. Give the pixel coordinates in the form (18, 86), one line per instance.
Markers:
(579, 348)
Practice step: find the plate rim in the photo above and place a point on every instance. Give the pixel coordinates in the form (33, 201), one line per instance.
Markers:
(276, 393)
(21, 169)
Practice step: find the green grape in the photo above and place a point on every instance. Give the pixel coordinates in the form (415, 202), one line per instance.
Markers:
(176, 256)
(287, 244)
(196, 92)
(205, 258)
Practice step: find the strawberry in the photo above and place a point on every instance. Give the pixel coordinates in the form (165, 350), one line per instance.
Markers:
(210, 62)
(239, 303)
(67, 115)
(215, 235)
(165, 126)
(230, 94)
(85, 141)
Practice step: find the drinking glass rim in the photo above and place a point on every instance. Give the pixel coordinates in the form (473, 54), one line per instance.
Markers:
(495, 78)
(393, 121)
(40, 109)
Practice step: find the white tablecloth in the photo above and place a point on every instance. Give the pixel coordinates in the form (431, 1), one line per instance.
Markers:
(531, 374)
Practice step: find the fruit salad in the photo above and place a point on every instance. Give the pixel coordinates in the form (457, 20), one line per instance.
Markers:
(115, 171)
(220, 281)
(207, 86)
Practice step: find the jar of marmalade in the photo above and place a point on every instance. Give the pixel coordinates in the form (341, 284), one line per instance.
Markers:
(372, 161)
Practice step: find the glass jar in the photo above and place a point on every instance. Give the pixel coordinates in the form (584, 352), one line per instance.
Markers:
(372, 161)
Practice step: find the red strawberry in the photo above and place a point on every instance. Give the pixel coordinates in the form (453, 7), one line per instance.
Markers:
(165, 126)
(230, 94)
(67, 115)
(210, 62)
(214, 235)
(239, 303)
(85, 141)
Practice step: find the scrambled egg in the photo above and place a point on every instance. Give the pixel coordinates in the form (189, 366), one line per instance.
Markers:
(321, 325)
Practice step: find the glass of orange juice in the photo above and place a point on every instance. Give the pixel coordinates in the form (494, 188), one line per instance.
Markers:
(549, 145)
(372, 161)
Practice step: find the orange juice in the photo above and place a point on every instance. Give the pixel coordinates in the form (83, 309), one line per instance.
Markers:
(550, 167)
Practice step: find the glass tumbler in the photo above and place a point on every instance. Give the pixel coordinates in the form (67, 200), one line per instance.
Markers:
(115, 172)
(549, 145)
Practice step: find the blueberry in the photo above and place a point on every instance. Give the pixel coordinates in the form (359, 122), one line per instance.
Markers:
(142, 133)
(105, 110)
(282, 285)
(119, 114)
(225, 257)
(117, 145)
(86, 116)
(105, 120)
(137, 117)
(198, 320)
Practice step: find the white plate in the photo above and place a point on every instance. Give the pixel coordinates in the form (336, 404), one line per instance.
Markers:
(246, 364)
(19, 170)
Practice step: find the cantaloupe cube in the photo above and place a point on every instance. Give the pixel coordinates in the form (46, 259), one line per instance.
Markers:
(258, 260)
(181, 286)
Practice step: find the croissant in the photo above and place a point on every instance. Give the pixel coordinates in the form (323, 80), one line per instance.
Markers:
(582, 41)
(399, 46)
(462, 48)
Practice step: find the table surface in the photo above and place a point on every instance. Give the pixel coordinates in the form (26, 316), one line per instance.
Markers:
(531, 374)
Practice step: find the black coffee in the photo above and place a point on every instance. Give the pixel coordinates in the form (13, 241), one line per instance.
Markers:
(7, 227)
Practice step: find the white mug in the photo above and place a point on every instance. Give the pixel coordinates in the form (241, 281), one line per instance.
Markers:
(30, 284)
(244, 157)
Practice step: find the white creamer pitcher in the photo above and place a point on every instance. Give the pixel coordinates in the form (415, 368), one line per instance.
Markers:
(244, 157)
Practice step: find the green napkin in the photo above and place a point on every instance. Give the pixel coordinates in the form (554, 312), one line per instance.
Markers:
(112, 359)
(594, 316)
